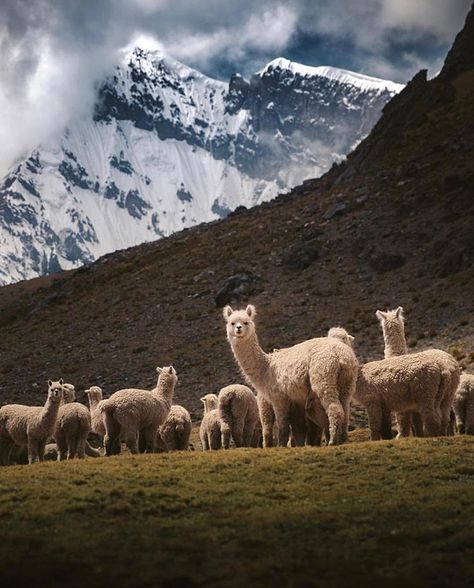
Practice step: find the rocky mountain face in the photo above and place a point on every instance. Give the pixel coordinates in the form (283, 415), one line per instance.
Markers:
(168, 148)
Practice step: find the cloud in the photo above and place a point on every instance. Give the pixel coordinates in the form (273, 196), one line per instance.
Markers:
(54, 53)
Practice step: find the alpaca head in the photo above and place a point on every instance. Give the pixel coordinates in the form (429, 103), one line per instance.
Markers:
(341, 334)
(240, 323)
(69, 393)
(167, 375)
(209, 401)
(55, 390)
(391, 319)
(94, 393)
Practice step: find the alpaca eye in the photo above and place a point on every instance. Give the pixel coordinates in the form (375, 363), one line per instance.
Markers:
(233, 324)
(246, 323)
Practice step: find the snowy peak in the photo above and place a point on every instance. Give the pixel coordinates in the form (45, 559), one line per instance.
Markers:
(343, 76)
(168, 147)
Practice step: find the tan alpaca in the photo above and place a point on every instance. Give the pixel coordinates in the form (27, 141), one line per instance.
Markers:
(94, 394)
(393, 328)
(324, 368)
(238, 411)
(342, 335)
(73, 425)
(132, 411)
(210, 429)
(463, 405)
(175, 432)
(29, 426)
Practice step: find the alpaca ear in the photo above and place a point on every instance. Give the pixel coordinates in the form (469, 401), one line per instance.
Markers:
(351, 338)
(159, 370)
(399, 312)
(227, 312)
(380, 315)
(202, 400)
(251, 311)
(61, 381)
(50, 383)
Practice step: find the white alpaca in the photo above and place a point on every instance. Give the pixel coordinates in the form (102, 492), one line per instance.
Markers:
(463, 405)
(393, 328)
(94, 394)
(72, 427)
(132, 411)
(29, 426)
(323, 369)
(175, 432)
(210, 429)
(238, 411)
(342, 335)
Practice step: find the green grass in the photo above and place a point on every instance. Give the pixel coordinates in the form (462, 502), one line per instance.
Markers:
(371, 514)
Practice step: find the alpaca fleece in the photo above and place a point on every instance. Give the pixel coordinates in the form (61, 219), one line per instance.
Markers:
(94, 394)
(238, 411)
(463, 405)
(210, 429)
(132, 411)
(176, 430)
(73, 425)
(323, 368)
(29, 426)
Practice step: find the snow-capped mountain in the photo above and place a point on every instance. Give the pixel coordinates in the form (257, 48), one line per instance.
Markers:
(168, 147)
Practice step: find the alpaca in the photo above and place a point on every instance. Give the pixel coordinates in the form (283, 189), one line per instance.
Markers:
(69, 393)
(210, 429)
(73, 425)
(175, 432)
(94, 394)
(407, 383)
(238, 411)
(323, 367)
(393, 328)
(131, 411)
(463, 405)
(342, 335)
(29, 425)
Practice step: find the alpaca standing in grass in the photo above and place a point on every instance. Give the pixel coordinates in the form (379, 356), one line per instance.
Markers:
(175, 432)
(463, 405)
(238, 411)
(210, 429)
(132, 411)
(73, 425)
(393, 327)
(29, 426)
(94, 394)
(323, 368)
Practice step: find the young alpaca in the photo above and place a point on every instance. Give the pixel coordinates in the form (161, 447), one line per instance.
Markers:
(94, 394)
(210, 429)
(393, 328)
(132, 411)
(238, 411)
(463, 405)
(174, 433)
(73, 425)
(323, 368)
(29, 425)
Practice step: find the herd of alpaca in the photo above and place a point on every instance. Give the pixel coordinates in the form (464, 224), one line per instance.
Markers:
(304, 390)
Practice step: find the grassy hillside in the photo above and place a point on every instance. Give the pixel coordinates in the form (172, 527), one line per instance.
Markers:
(385, 513)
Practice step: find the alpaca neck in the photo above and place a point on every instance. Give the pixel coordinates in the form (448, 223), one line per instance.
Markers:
(164, 390)
(253, 361)
(93, 402)
(49, 414)
(395, 342)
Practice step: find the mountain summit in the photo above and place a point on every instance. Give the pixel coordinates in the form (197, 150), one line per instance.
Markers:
(168, 147)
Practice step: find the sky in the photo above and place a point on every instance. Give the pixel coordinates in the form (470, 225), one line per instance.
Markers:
(53, 53)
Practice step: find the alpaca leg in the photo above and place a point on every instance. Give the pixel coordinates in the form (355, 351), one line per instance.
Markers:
(417, 422)
(386, 428)
(6, 446)
(81, 447)
(225, 434)
(150, 439)
(238, 432)
(404, 424)
(298, 424)
(375, 415)
(431, 422)
(142, 441)
(112, 435)
(249, 431)
(131, 440)
(314, 434)
(215, 440)
(282, 417)
(62, 447)
(33, 456)
(469, 422)
(204, 441)
(335, 414)
(41, 448)
(72, 447)
(267, 418)
(459, 408)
